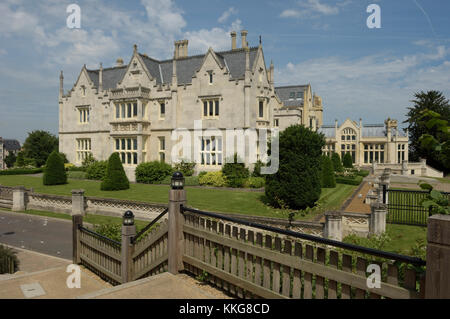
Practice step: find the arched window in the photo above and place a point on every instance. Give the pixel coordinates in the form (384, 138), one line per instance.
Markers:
(348, 142)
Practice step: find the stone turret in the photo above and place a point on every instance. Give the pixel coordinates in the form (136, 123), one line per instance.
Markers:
(61, 85)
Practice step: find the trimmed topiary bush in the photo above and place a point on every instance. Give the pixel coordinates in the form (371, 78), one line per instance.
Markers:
(215, 179)
(337, 164)
(328, 180)
(235, 173)
(152, 172)
(347, 161)
(296, 185)
(115, 178)
(97, 170)
(54, 171)
(257, 169)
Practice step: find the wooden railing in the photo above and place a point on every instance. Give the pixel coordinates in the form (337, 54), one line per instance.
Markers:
(149, 256)
(101, 255)
(249, 263)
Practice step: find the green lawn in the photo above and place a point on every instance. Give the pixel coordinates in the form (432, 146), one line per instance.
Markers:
(404, 237)
(218, 200)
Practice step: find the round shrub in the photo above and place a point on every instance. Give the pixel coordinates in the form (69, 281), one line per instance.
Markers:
(328, 180)
(115, 178)
(185, 167)
(152, 172)
(337, 164)
(235, 173)
(215, 179)
(97, 170)
(296, 185)
(54, 171)
(347, 161)
(255, 182)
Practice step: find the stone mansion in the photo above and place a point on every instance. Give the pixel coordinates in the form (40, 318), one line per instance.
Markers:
(133, 108)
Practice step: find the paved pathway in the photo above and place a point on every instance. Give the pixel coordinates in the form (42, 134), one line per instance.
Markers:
(42, 234)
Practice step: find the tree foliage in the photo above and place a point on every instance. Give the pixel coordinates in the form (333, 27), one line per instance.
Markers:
(347, 161)
(337, 164)
(297, 184)
(432, 101)
(39, 145)
(235, 173)
(328, 179)
(115, 178)
(10, 159)
(54, 171)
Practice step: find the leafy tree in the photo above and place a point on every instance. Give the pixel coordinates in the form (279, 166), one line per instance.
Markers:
(433, 101)
(39, 145)
(10, 159)
(115, 178)
(347, 161)
(328, 180)
(296, 185)
(337, 164)
(88, 161)
(440, 143)
(436, 202)
(54, 171)
(20, 161)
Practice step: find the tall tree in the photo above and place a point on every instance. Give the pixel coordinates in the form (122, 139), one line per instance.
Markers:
(10, 159)
(39, 145)
(433, 101)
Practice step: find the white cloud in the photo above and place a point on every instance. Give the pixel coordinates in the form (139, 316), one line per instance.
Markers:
(224, 17)
(291, 13)
(314, 9)
(371, 87)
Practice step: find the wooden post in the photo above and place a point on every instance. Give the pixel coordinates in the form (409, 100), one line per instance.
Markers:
(438, 258)
(177, 197)
(128, 232)
(77, 220)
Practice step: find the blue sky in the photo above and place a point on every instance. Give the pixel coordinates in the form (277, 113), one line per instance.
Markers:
(359, 72)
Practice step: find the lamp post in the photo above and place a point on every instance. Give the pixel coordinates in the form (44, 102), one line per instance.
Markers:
(128, 218)
(177, 197)
(177, 181)
(128, 232)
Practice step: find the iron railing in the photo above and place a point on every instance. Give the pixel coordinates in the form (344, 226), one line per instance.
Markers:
(404, 206)
(153, 222)
(365, 250)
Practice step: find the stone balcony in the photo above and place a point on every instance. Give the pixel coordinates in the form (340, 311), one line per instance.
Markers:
(130, 93)
(130, 127)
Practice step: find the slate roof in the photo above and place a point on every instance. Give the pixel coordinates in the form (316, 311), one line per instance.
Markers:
(11, 145)
(327, 130)
(284, 93)
(368, 130)
(186, 68)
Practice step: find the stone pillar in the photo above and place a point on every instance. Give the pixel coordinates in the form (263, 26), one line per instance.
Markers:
(128, 232)
(438, 258)
(423, 167)
(377, 220)
(384, 184)
(333, 226)
(18, 199)
(78, 202)
(405, 168)
(177, 197)
(77, 221)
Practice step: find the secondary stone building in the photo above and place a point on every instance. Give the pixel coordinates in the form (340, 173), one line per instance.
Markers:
(8, 146)
(133, 108)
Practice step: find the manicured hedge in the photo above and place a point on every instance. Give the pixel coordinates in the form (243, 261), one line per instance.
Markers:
(255, 182)
(97, 170)
(328, 180)
(22, 171)
(235, 173)
(215, 179)
(152, 172)
(363, 173)
(349, 181)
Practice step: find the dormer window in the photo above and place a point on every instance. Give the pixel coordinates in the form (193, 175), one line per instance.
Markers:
(300, 95)
(291, 95)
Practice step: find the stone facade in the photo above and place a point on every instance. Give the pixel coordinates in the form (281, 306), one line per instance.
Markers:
(133, 109)
(7, 146)
(369, 143)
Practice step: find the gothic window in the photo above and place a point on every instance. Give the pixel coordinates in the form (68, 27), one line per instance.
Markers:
(211, 151)
(211, 108)
(127, 149)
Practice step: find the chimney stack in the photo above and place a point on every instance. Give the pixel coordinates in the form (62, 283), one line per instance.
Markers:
(244, 38)
(181, 49)
(233, 40)
(100, 78)
(61, 85)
